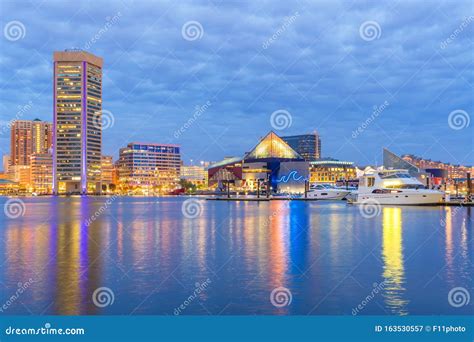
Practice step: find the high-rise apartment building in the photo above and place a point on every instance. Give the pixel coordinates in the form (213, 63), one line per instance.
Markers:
(77, 122)
(28, 137)
(307, 145)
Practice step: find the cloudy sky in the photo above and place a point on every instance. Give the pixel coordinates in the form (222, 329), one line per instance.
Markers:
(208, 75)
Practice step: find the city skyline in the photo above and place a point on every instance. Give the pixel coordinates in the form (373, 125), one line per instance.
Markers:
(154, 86)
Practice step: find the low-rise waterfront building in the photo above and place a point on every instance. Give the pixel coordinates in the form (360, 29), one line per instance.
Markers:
(107, 167)
(149, 168)
(42, 173)
(331, 171)
(194, 174)
(271, 165)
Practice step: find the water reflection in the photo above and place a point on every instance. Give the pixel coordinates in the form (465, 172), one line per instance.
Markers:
(392, 251)
(152, 257)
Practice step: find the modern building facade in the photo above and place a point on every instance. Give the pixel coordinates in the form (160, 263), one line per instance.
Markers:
(194, 174)
(77, 122)
(272, 164)
(41, 173)
(307, 145)
(107, 167)
(149, 167)
(331, 171)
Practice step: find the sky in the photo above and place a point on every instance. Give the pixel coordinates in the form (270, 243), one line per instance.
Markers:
(214, 77)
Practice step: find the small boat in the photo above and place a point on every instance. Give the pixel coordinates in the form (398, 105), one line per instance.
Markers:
(327, 192)
(394, 187)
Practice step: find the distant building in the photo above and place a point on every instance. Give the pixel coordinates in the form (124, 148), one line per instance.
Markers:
(107, 167)
(41, 173)
(307, 145)
(194, 174)
(450, 171)
(331, 171)
(77, 122)
(392, 161)
(28, 137)
(6, 163)
(154, 167)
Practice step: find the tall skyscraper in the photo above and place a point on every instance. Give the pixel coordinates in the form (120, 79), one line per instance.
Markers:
(77, 122)
(307, 145)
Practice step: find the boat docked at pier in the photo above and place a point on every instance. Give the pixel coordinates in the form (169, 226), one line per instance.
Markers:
(394, 187)
(327, 192)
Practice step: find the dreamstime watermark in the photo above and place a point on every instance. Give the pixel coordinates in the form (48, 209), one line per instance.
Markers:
(281, 297)
(370, 30)
(377, 287)
(103, 119)
(14, 208)
(458, 297)
(458, 119)
(192, 208)
(46, 330)
(22, 110)
(200, 288)
(192, 30)
(109, 22)
(281, 119)
(14, 30)
(287, 21)
(103, 296)
(198, 111)
(22, 287)
(444, 44)
(454, 212)
(370, 208)
(377, 110)
(101, 210)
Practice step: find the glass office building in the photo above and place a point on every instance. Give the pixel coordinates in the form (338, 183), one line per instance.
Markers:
(145, 165)
(77, 122)
(307, 145)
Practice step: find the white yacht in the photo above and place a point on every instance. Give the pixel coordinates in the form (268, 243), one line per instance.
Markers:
(327, 192)
(394, 187)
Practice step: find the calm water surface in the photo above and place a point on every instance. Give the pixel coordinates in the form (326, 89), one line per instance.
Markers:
(151, 256)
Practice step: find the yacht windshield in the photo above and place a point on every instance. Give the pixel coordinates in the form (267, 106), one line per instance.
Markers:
(406, 186)
(396, 176)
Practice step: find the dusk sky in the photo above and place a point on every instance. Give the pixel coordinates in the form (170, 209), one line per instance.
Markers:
(322, 65)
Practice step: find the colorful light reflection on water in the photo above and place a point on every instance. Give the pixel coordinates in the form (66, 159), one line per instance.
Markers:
(151, 256)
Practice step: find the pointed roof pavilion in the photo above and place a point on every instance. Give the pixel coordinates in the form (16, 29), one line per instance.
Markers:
(272, 148)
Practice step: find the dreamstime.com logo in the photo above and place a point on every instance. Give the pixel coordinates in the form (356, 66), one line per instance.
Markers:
(370, 30)
(103, 296)
(103, 119)
(14, 208)
(281, 119)
(458, 119)
(192, 30)
(46, 330)
(192, 208)
(370, 208)
(14, 30)
(281, 297)
(376, 288)
(200, 288)
(458, 297)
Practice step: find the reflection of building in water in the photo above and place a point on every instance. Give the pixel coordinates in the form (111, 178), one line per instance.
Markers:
(78, 260)
(394, 271)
